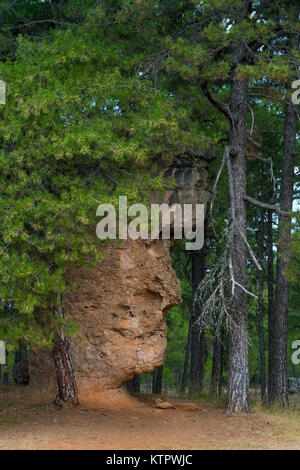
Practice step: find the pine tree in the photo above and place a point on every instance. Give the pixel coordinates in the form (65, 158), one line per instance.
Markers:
(233, 47)
(81, 126)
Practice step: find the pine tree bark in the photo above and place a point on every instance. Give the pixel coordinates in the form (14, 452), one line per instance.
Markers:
(262, 352)
(270, 301)
(238, 377)
(213, 389)
(185, 374)
(261, 311)
(66, 381)
(67, 389)
(197, 338)
(236, 112)
(278, 359)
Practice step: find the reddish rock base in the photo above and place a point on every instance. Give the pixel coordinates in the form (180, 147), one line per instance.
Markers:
(121, 305)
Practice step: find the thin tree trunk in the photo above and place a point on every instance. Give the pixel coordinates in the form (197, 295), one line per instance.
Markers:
(148, 384)
(154, 381)
(186, 362)
(66, 381)
(20, 369)
(270, 300)
(197, 361)
(157, 380)
(213, 389)
(279, 385)
(256, 376)
(222, 366)
(197, 338)
(262, 340)
(178, 382)
(262, 351)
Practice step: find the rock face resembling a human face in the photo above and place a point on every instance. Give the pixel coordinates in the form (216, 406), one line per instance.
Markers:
(121, 304)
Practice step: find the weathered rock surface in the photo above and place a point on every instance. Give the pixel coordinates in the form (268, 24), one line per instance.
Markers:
(164, 405)
(121, 304)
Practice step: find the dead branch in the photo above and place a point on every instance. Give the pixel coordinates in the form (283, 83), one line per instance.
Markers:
(253, 118)
(265, 205)
(245, 290)
(213, 293)
(254, 259)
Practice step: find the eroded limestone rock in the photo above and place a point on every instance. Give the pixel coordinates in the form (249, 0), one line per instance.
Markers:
(121, 304)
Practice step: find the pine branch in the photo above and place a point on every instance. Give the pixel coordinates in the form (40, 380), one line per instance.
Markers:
(217, 104)
(265, 205)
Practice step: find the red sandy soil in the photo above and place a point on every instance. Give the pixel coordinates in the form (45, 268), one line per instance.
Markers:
(137, 424)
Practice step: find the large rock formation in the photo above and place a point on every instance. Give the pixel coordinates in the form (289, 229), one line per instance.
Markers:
(121, 304)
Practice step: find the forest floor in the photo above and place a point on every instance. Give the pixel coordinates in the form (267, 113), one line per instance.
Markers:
(139, 425)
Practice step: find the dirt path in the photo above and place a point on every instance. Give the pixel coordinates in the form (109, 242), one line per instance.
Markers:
(143, 427)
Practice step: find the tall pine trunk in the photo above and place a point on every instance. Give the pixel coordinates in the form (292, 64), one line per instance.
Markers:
(262, 351)
(197, 338)
(278, 359)
(238, 377)
(270, 300)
